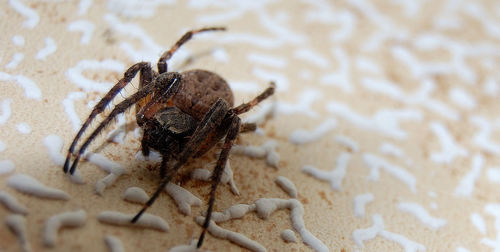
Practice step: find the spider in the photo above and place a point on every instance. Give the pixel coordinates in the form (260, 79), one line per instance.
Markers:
(183, 115)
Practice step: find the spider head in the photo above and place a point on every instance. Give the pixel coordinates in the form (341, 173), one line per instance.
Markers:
(167, 131)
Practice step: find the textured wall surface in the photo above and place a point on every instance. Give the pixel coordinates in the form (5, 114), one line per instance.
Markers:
(383, 135)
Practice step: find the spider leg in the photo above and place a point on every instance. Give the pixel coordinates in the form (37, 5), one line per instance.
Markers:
(163, 168)
(234, 126)
(144, 146)
(249, 105)
(212, 119)
(145, 79)
(234, 129)
(158, 86)
(248, 127)
(162, 62)
(146, 73)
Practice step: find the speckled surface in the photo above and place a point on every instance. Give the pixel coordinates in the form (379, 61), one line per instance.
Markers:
(385, 121)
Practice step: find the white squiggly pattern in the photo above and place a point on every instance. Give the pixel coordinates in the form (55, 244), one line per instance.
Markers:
(413, 97)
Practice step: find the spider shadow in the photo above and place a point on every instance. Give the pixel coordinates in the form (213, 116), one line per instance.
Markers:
(122, 129)
(192, 58)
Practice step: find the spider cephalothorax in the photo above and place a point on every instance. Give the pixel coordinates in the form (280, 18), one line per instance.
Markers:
(183, 115)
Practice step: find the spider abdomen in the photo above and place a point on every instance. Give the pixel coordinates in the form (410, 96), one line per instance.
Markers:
(199, 90)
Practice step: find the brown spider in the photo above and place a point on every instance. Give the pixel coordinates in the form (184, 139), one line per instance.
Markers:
(182, 115)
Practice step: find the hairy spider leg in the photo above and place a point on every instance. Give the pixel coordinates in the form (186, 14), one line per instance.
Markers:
(234, 127)
(146, 74)
(158, 85)
(251, 127)
(212, 119)
(163, 168)
(220, 118)
(162, 62)
(248, 127)
(143, 81)
(245, 107)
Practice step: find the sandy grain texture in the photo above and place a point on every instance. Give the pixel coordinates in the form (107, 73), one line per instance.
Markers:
(407, 90)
